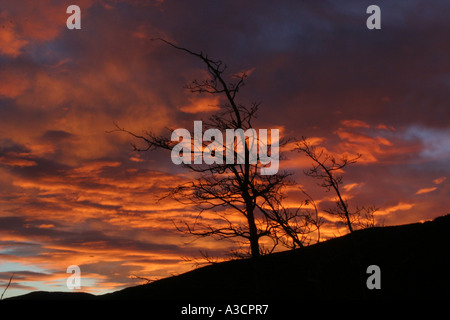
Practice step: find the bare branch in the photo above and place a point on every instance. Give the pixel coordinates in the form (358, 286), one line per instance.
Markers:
(9, 283)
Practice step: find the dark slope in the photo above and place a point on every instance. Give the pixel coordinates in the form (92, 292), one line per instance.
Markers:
(44, 295)
(414, 261)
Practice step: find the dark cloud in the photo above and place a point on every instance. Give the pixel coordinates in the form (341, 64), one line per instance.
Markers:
(8, 145)
(56, 135)
(23, 275)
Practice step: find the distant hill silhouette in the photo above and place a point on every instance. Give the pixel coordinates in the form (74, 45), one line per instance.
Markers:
(414, 261)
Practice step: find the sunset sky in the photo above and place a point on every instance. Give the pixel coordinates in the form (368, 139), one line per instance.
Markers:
(73, 194)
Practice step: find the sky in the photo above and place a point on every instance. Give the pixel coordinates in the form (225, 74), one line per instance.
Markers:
(73, 193)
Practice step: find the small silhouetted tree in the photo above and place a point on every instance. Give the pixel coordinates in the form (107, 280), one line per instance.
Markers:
(328, 170)
(237, 189)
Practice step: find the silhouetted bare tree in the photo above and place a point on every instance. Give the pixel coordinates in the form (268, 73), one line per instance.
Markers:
(237, 189)
(328, 170)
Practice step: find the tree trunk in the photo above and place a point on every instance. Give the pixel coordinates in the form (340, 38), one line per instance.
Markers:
(254, 238)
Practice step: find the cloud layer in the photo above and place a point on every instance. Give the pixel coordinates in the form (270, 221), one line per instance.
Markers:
(71, 193)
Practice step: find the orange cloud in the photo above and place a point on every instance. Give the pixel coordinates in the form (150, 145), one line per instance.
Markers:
(16, 162)
(426, 190)
(25, 22)
(10, 45)
(369, 147)
(398, 207)
(355, 124)
(349, 187)
(199, 104)
(439, 180)
(12, 83)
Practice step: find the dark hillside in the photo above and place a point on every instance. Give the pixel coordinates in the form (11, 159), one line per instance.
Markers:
(414, 261)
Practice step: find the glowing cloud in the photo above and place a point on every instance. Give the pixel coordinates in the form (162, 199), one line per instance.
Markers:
(426, 190)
